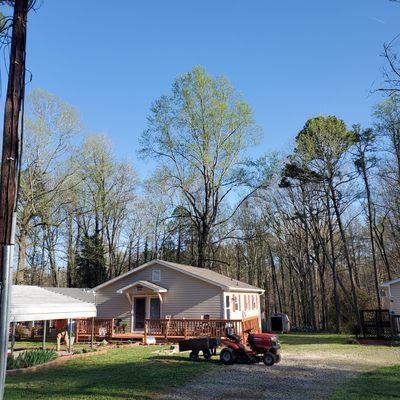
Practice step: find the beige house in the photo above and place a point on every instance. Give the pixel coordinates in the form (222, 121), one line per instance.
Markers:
(164, 290)
(391, 296)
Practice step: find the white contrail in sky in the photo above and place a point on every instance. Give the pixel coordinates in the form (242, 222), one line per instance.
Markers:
(381, 21)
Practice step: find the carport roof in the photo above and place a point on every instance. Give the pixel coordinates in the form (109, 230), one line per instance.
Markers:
(33, 303)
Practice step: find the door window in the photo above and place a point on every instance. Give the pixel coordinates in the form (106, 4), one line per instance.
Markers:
(155, 308)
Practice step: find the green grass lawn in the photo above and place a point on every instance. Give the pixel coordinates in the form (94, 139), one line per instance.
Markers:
(29, 344)
(381, 384)
(314, 341)
(50, 345)
(139, 373)
(124, 373)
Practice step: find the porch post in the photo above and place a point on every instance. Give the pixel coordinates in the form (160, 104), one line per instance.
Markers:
(130, 299)
(145, 331)
(69, 334)
(185, 325)
(132, 316)
(92, 334)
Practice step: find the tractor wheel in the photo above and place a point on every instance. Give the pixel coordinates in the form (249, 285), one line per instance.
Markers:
(194, 355)
(207, 354)
(278, 358)
(269, 359)
(227, 356)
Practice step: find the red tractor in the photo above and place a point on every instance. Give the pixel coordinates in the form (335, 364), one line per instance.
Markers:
(263, 347)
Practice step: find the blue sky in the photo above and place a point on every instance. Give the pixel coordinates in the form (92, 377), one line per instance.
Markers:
(291, 59)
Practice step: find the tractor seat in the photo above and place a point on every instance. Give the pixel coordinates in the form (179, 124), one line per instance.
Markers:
(232, 336)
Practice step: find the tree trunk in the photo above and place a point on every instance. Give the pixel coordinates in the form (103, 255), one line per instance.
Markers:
(202, 243)
(70, 254)
(346, 252)
(371, 223)
(334, 272)
(20, 275)
(274, 279)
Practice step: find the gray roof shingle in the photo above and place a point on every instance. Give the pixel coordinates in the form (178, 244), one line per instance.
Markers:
(76, 293)
(212, 276)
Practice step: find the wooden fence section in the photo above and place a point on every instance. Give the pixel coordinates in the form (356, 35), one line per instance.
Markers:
(165, 328)
(396, 326)
(380, 324)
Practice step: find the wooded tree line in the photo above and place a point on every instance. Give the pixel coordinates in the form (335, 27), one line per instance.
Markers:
(318, 228)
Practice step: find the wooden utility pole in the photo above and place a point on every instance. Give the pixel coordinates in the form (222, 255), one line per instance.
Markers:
(9, 170)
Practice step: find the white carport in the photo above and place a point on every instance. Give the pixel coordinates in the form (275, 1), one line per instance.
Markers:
(33, 303)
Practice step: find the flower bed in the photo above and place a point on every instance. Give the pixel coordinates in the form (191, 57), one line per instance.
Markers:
(30, 358)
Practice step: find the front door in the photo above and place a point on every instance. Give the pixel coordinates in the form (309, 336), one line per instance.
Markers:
(140, 312)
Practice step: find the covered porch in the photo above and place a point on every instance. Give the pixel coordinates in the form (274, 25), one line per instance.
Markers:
(145, 299)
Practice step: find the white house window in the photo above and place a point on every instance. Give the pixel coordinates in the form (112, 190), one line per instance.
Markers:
(235, 305)
(156, 275)
(228, 306)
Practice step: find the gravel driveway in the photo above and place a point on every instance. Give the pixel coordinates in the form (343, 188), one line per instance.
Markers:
(300, 375)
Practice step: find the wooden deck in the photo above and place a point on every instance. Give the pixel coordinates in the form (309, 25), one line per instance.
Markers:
(162, 328)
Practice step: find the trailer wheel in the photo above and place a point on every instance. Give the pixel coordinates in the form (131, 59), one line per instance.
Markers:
(269, 359)
(207, 354)
(194, 355)
(227, 356)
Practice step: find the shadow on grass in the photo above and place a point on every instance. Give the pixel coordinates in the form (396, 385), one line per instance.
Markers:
(213, 360)
(107, 377)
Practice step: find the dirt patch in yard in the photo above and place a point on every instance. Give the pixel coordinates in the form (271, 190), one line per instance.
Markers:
(300, 375)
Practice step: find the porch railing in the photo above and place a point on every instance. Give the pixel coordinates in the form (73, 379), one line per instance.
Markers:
(167, 328)
(98, 327)
(185, 328)
(170, 328)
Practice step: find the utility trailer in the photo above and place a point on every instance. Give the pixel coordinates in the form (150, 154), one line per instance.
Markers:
(207, 346)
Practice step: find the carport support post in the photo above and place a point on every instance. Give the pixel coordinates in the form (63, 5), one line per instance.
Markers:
(44, 335)
(5, 289)
(69, 335)
(14, 324)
